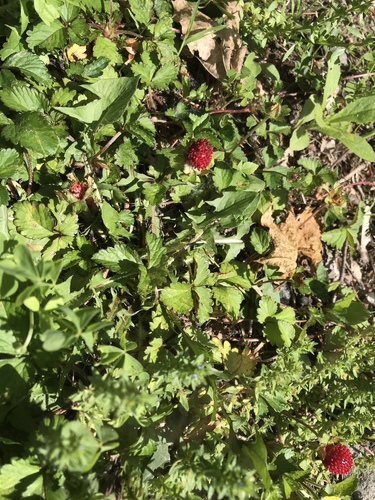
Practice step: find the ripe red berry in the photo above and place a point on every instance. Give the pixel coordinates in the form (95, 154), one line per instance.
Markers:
(78, 189)
(338, 458)
(199, 154)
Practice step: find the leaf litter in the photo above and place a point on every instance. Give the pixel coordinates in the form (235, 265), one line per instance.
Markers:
(297, 236)
(217, 52)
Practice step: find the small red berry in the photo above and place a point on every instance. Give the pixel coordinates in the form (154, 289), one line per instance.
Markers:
(78, 189)
(199, 154)
(338, 458)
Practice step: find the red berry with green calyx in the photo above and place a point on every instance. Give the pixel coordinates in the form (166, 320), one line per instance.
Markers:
(199, 154)
(338, 458)
(78, 189)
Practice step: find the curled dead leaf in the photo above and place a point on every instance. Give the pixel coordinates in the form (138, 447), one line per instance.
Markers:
(76, 52)
(131, 46)
(218, 52)
(291, 238)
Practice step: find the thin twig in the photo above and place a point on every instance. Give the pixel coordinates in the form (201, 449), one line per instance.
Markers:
(352, 77)
(359, 183)
(109, 143)
(231, 111)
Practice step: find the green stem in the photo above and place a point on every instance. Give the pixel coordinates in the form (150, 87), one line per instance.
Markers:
(29, 333)
(301, 422)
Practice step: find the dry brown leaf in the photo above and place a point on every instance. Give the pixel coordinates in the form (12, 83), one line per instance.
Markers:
(218, 52)
(292, 238)
(76, 52)
(309, 240)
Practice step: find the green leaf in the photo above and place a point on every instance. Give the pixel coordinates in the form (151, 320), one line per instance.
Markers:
(205, 303)
(113, 220)
(333, 76)
(47, 10)
(300, 139)
(354, 142)
(257, 452)
(267, 309)
(260, 240)
(48, 37)
(118, 258)
(12, 474)
(12, 166)
(24, 99)
(30, 65)
(361, 110)
(106, 48)
(33, 131)
(164, 76)
(141, 10)
(230, 298)
(33, 220)
(114, 93)
(234, 206)
(95, 69)
(178, 297)
(4, 197)
(155, 250)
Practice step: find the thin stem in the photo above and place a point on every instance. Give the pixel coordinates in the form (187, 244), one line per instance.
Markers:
(359, 183)
(109, 143)
(29, 333)
(231, 111)
(254, 129)
(301, 422)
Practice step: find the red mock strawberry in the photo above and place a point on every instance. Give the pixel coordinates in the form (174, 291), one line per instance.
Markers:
(78, 189)
(199, 154)
(338, 458)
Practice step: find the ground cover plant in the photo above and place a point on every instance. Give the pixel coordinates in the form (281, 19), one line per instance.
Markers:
(186, 250)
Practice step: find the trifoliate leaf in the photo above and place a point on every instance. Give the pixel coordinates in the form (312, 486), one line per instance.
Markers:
(267, 309)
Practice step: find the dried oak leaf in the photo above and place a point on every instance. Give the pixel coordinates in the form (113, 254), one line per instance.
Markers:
(292, 238)
(218, 52)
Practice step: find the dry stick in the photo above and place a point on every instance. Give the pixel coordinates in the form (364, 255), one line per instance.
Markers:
(359, 183)
(357, 76)
(231, 111)
(109, 143)
(353, 172)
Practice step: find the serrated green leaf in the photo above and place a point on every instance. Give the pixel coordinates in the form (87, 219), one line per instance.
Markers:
(13, 44)
(11, 165)
(30, 65)
(178, 297)
(33, 131)
(260, 240)
(234, 206)
(155, 250)
(48, 37)
(204, 301)
(33, 220)
(47, 10)
(230, 298)
(4, 197)
(141, 10)
(118, 258)
(335, 237)
(106, 48)
(267, 309)
(164, 76)
(23, 99)
(11, 474)
(114, 93)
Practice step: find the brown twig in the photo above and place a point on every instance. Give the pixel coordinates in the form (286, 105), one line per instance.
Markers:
(109, 143)
(359, 183)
